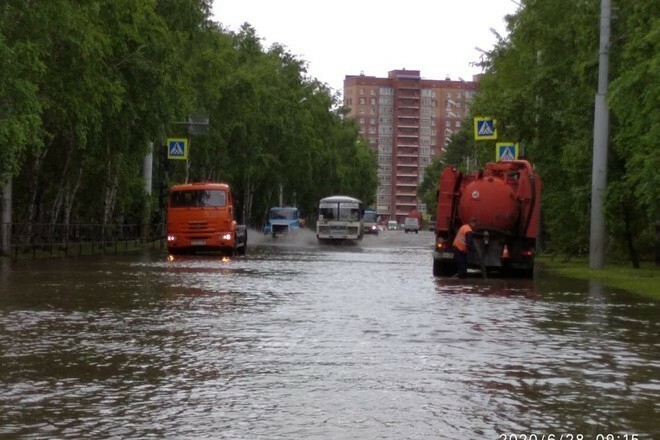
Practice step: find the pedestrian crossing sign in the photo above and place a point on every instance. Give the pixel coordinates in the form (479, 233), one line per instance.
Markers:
(177, 148)
(506, 151)
(484, 128)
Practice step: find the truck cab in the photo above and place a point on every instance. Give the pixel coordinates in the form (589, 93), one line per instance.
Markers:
(200, 218)
(282, 220)
(370, 222)
(411, 224)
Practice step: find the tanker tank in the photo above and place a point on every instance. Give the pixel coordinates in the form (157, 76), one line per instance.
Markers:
(492, 202)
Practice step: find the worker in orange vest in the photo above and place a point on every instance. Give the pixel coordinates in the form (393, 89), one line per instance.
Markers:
(462, 244)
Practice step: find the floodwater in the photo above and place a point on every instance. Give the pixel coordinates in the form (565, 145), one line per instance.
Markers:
(301, 341)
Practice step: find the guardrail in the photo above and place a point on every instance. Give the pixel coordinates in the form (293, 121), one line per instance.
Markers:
(45, 239)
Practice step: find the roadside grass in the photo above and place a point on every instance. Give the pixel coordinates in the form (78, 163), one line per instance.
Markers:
(643, 281)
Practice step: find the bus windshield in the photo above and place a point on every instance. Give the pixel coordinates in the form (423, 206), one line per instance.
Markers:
(346, 212)
(198, 198)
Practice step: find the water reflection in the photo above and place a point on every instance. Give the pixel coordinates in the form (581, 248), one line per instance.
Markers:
(303, 341)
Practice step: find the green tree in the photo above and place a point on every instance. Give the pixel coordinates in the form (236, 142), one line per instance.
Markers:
(634, 95)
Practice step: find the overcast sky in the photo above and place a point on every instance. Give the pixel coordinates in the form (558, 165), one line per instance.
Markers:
(347, 37)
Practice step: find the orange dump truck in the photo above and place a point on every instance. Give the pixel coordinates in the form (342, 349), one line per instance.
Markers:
(505, 199)
(200, 218)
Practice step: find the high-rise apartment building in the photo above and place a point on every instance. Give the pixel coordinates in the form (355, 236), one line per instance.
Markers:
(408, 121)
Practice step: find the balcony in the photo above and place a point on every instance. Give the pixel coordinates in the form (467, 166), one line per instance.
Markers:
(407, 84)
(403, 174)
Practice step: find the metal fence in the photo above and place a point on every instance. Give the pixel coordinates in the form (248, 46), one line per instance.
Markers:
(37, 240)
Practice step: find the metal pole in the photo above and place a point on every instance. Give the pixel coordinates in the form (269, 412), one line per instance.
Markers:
(601, 131)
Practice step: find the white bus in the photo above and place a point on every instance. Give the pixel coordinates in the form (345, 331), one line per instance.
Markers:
(340, 219)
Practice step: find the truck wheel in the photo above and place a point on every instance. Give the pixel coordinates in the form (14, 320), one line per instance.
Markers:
(437, 268)
(443, 268)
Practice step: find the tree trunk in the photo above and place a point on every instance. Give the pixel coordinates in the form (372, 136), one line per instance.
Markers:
(111, 192)
(70, 196)
(634, 255)
(33, 184)
(5, 216)
(657, 243)
(58, 202)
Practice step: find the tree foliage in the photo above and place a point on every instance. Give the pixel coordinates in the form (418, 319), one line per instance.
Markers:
(87, 88)
(540, 83)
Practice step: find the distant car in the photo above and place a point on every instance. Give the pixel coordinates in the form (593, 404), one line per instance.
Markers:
(411, 224)
(392, 225)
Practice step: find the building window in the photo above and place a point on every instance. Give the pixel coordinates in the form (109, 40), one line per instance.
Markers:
(361, 91)
(385, 159)
(372, 101)
(362, 101)
(386, 91)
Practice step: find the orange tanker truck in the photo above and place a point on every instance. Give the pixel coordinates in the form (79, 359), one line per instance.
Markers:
(505, 199)
(200, 218)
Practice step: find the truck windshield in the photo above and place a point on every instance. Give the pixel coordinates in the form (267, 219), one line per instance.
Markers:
(283, 214)
(370, 217)
(198, 198)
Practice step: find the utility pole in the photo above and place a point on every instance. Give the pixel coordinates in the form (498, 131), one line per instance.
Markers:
(601, 133)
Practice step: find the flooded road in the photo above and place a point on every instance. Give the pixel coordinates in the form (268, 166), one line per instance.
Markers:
(301, 341)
